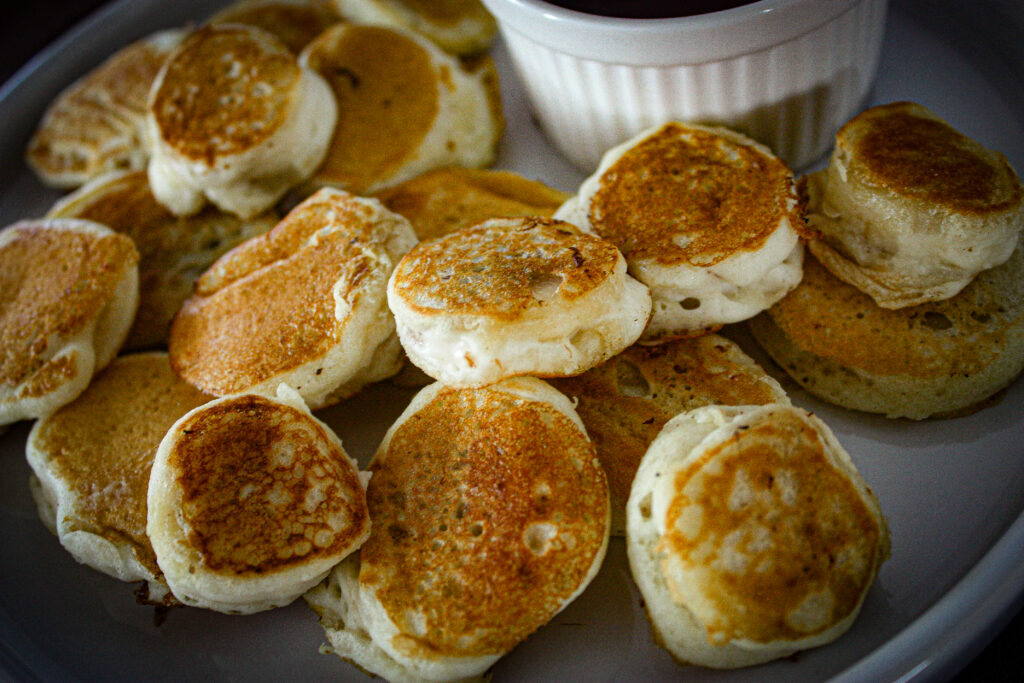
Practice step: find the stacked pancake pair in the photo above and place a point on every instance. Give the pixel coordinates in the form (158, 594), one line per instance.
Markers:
(913, 304)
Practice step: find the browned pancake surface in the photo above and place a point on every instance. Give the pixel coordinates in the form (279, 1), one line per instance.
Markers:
(295, 24)
(102, 446)
(504, 268)
(488, 512)
(264, 487)
(53, 282)
(689, 196)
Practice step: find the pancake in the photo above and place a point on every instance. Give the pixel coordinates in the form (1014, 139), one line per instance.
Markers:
(304, 304)
(910, 209)
(940, 359)
(235, 120)
(490, 515)
(91, 462)
(98, 123)
(751, 535)
(173, 250)
(404, 107)
(294, 22)
(708, 219)
(514, 296)
(444, 200)
(463, 27)
(625, 401)
(69, 289)
(252, 501)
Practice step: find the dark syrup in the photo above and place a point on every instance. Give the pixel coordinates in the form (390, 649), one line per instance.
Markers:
(648, 9)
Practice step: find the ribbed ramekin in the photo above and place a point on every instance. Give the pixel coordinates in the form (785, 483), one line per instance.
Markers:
(787, 73)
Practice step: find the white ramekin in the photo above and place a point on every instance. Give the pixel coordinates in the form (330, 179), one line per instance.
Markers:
(785, 72)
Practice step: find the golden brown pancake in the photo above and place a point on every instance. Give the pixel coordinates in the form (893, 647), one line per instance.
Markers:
(98, 124)
(937, 359)
(404, 107)
(92, 459)
(294, 22)
(751, 535)
(303, 304)
(910, 209)
(460, 26)
(251, 501)
(444, 200)
(490, 514)
(706, 218)
(173, 251)
(514, 296)
(625, 401)
(69, 290)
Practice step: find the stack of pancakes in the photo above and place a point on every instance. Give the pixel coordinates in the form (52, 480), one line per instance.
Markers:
(287, 203)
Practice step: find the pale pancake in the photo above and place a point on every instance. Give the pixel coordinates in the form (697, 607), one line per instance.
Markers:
(514, 296)
(404, 107)
(173, 250)
(938, 359)
(910, 209)
(708, 219)
(625, 401)
(751, 535)
(69, 289)
(92, 459)
(490, 514)
(252, 501)
(304, 304)
(444, 200)
(294, 22)
(98, 124)
(460, 26)
(235, 120)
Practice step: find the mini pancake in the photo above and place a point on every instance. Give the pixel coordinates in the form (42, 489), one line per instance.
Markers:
(294, 22)
(444, 200)
(69, 289)
(404, 107)
(909, 209)
(98, 124)
(173, 250)
(625, 401)
(462, 27)
(252, 500)
(514, 296)
(708, 219)
(939, 359)
(490, 514)
(91, 462)
(235, 120)
(751, 535)
(304, 304)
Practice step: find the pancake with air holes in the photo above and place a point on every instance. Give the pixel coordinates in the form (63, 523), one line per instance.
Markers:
(173, 250)
(69, 289)
(751, 535)
(463, 27)
(910, 209)
(294, 22)
(304, 304)
(98, 124)
(252, 501)
(91, 462)
(708, 219)
(490, 515)
(235, 120)
(404, 107)
(514, 296)
(938, 359)
(625, 401)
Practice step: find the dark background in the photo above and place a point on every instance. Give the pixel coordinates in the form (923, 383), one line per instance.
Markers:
(31, 25)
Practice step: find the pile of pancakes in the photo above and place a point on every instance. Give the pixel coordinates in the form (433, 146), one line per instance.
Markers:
(290, 202)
